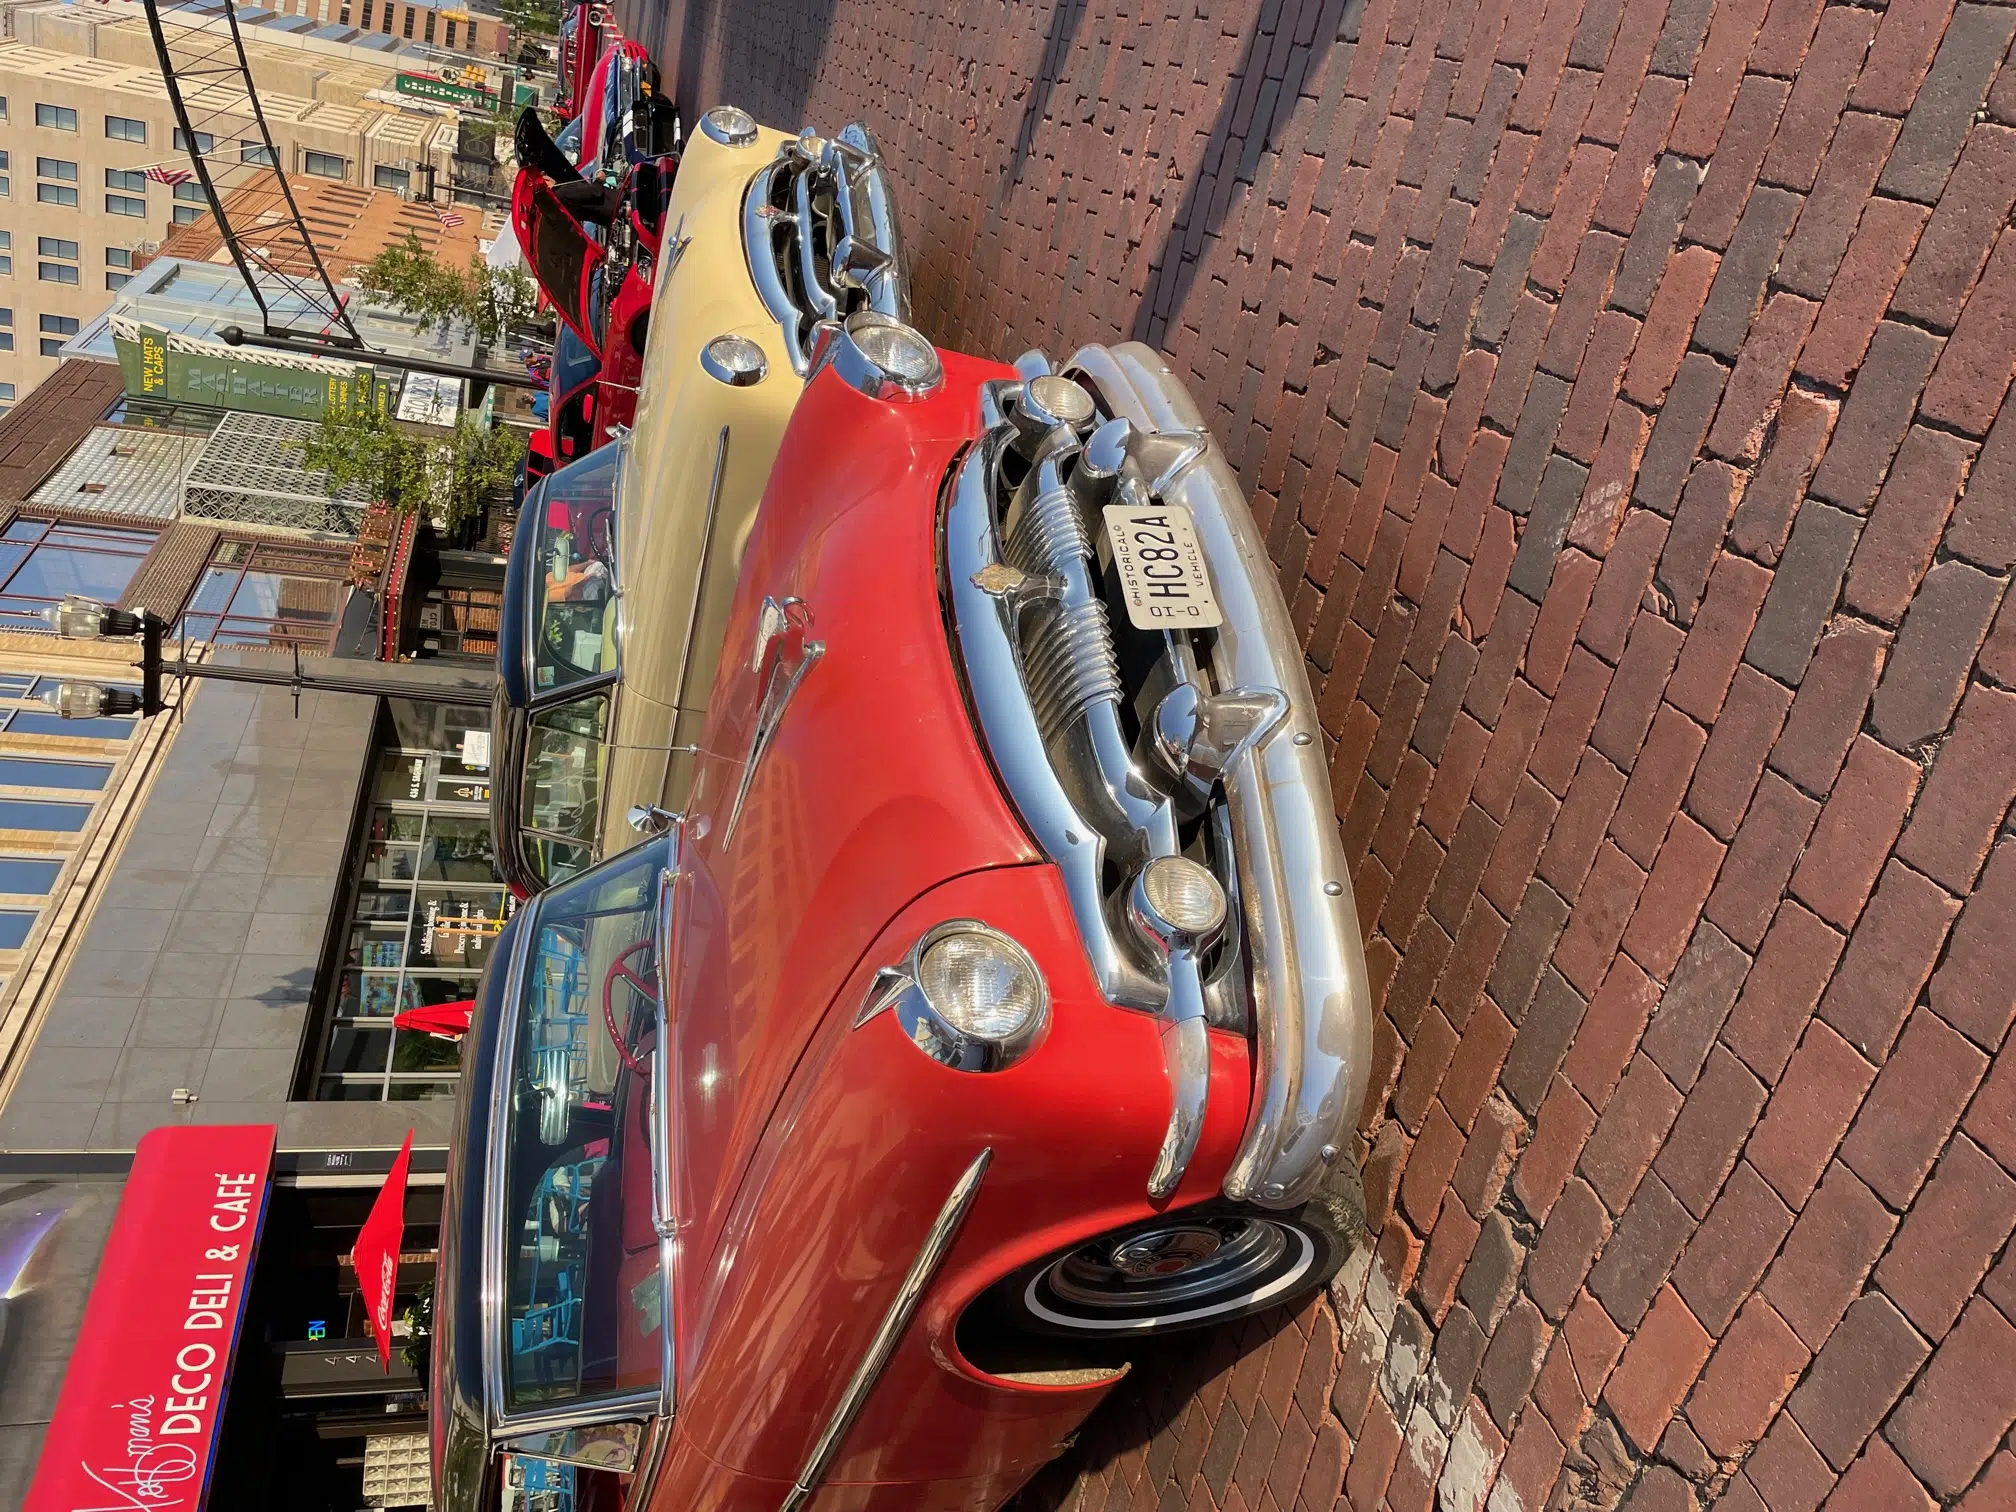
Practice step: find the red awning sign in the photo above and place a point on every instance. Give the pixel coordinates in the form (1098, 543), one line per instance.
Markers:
(377, 1253)
(136, 1423)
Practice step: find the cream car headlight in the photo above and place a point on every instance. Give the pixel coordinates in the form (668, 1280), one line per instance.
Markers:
(966, 995)
(730, 125)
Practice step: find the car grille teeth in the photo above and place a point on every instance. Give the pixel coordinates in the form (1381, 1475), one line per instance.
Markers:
(821, 236)
(1050, 536)
(1069, 662)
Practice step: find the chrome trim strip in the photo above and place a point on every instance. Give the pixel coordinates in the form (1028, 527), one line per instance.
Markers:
(1312, 998)
(944, 1229)
(700, 573)
(493, 1195)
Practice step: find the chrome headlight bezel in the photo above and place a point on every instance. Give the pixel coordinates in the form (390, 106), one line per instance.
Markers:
(729, 125)
(840, 346)
(926, 1023)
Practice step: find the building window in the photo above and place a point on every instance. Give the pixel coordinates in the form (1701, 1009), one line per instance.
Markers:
(125, 129)
(395, 179)
(61, 818)
(56, 194)
(204, 141)
(258, 154)
(451, 35)
(365, 21)
(58, 325)
(56, 117)
(129, 179)
(124, 204)
(42, 560)
(322, 164)
(56, 246)
(119, 257)
(59, 273)
(28, 876)
(28, 772)
(389, 8)
(343, 16)
(114, 282)
(428, 30)
(7, 389)
(7, 264)
(14, 926)
(56, 168)
(187, 214)
(6, 187)
(3, 107)
(241, 600)
(427, 907)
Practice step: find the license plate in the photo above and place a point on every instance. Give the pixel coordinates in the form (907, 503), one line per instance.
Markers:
(1161, 568)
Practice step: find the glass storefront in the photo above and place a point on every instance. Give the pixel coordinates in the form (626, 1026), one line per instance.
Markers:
(426, 903)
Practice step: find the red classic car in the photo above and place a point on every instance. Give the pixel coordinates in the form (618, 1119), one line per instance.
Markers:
(995, 1001)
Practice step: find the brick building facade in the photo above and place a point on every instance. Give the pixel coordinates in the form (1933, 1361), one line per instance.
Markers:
(1621, 383)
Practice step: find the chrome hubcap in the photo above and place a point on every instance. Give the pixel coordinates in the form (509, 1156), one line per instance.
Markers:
(1180, 1262)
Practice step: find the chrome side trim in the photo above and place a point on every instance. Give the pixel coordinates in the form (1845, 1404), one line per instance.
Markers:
(937, 1242)
(1312, 1002)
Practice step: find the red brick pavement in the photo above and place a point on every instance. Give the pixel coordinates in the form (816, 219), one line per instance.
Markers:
(1620, 383)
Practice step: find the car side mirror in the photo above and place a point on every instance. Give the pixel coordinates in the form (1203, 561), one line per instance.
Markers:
(649, 819)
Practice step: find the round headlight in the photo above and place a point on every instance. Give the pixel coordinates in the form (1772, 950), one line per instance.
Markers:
(734, 360)
(904, 357)
(981, 984)
(730, 125)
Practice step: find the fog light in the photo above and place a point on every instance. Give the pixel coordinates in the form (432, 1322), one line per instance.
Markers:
(1178, 902)
(883, 358)
(734, 360)
(730, 125)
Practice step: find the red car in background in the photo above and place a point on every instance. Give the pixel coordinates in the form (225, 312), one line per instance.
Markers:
(592, 249)
(997, 999)
(582, 31)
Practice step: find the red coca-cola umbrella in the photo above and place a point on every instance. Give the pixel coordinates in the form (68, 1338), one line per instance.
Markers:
(449, 1021)
(377, 1253)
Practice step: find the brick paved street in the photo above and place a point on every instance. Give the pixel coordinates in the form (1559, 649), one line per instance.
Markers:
(1621, 385)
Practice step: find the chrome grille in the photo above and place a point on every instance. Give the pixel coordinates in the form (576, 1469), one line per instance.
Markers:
(820, 230)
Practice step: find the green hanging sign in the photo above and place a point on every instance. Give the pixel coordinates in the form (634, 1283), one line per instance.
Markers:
(152, 369)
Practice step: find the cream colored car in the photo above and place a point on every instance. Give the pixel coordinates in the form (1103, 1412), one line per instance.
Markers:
(625, 561)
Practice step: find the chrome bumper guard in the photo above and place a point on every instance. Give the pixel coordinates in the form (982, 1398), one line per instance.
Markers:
(1309, 991)
(820, 230)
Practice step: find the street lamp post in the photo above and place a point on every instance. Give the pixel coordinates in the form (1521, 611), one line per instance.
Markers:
(79, 618)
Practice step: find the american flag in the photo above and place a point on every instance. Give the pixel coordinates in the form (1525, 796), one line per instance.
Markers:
(448, 218)
(170, 175)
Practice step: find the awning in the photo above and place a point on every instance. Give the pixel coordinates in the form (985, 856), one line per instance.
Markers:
(136, 1423)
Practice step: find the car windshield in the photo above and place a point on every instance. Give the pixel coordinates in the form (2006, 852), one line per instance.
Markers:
(569, 141)
(563, 781)
(574, 609)
(577, 1110)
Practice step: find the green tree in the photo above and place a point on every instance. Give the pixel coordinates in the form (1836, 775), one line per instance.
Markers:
(526, 18)
(492, 300)
(448, 478)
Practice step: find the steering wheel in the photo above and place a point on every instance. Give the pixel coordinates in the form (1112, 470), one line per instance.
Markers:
(621, 967)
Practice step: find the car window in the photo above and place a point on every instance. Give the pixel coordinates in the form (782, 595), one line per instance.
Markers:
(572, 1329)
(574, 610)
(563, 770)
(569, 141)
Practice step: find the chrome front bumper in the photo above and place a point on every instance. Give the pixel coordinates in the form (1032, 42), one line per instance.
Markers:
(1310, 995)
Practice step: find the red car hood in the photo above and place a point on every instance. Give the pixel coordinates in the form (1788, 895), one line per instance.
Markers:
(872, 791)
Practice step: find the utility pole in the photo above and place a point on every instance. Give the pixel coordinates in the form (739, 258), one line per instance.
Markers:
(79, 618)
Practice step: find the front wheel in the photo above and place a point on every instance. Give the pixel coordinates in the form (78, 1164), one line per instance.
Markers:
(1192, 1268)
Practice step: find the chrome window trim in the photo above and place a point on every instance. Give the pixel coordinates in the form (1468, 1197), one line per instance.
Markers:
(902, 1308)
(648, 1404)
